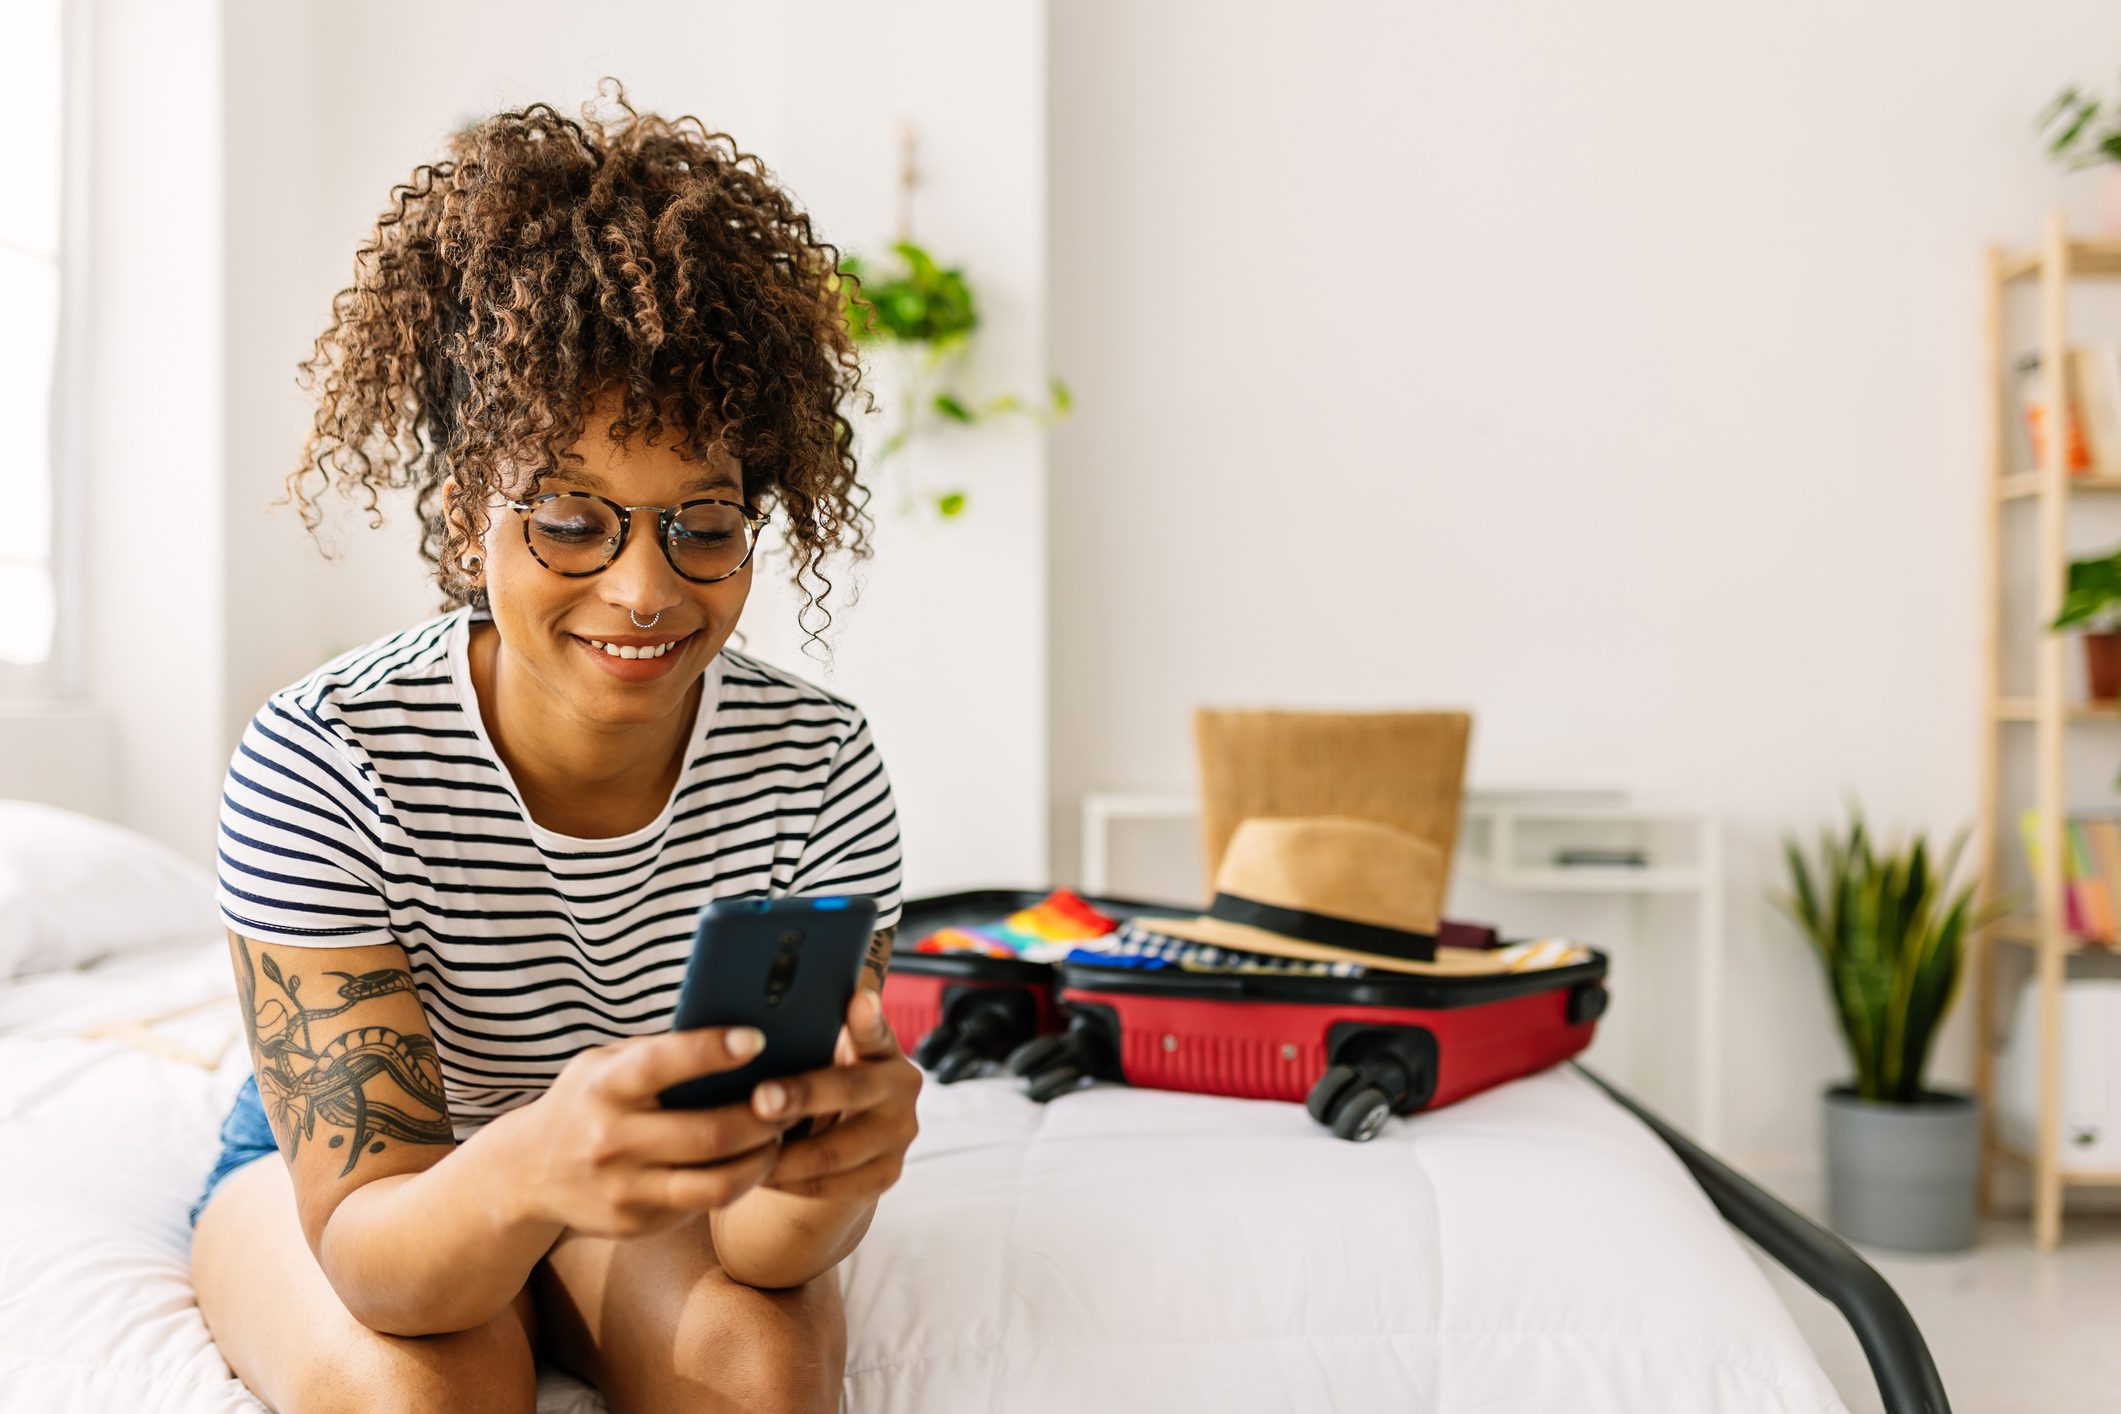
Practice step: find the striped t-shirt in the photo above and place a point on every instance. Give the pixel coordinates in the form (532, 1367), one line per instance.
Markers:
(365, 804)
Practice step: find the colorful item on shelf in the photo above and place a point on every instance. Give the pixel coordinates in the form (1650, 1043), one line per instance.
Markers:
(1044, 932)
(2091, 874)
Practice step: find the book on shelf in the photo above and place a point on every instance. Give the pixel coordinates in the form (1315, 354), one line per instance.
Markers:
(2095, 902)
(2103, 834)
(2091, 873)
(2032, 405)
(2092, 422)
(2095, 382)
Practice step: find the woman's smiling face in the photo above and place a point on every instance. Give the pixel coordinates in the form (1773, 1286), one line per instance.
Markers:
(550, 622)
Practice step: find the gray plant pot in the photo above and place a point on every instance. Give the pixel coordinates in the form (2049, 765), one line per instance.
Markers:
(1903, 1176)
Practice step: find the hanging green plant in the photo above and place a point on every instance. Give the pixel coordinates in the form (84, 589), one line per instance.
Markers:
(928, 310)
(922, 304)
(2082, 131)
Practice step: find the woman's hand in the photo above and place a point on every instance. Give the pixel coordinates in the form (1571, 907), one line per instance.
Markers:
(861, 1110)
(601, 1155)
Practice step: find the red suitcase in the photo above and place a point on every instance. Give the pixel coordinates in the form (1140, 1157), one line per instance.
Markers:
(1355, 1049)
(955, 1012)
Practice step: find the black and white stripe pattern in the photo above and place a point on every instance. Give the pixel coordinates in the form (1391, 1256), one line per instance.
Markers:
(366, 805)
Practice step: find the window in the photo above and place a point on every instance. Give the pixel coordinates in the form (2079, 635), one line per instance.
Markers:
(35, 235)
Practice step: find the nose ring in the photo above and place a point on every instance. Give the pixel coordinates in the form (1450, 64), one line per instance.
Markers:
(637, 619)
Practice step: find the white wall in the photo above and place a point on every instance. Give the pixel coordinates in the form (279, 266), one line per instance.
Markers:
(331, 107)
(152, 453)
(1615, 370)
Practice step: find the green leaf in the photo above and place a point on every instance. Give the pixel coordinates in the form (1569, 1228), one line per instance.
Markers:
(2057, 107)
(2086, 112)
(950, 503)
(2082, 129)
(2093, 591)
(1891, 939)
(950, 407)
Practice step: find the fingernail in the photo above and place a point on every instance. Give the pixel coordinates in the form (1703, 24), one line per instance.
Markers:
(746, 1041)
(772, 1097)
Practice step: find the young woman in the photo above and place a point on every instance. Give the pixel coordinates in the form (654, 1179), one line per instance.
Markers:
(460, 865)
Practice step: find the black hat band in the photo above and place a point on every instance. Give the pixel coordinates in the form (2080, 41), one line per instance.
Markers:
(1324, 929)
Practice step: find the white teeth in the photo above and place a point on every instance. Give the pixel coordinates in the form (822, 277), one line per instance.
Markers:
(628, 651)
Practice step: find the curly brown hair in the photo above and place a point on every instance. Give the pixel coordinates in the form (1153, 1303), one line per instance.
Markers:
(546, 261)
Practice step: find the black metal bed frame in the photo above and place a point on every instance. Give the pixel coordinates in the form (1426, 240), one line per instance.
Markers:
(1900, 1358)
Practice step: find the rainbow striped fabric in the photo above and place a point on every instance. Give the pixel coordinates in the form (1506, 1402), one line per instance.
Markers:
(1045, 932)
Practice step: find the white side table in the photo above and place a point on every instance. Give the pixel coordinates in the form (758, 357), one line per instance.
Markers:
(1502, 835)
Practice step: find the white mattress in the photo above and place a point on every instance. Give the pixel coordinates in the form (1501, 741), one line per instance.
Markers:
(1531, 1249)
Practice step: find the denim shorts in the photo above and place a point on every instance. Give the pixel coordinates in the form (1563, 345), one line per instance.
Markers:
(244, 1136)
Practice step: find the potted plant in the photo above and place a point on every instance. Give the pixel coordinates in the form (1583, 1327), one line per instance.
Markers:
(925, 312)
(2093, 603)
(2082, 131)
(1902, 1159)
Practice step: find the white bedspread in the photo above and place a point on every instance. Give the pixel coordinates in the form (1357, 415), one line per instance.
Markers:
(1533, 1249)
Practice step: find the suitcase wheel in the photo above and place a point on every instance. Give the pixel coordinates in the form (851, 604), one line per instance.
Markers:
(1400, 1062)
(1336, 1082)
(979, 1024)
(1054, 1065)
(991, 1023)
(934, 1046)
(959, 1063)
(1034, 1054)
(1361, 1116)
(1050, 1084)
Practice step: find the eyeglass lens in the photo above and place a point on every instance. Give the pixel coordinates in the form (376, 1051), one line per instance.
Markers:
(576, 534)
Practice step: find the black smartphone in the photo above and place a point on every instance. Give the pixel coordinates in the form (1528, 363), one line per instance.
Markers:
(788, 966)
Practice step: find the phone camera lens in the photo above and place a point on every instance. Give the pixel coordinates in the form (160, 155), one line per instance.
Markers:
(791, 940)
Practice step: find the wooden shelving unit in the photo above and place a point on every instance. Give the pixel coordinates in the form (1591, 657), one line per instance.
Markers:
(2050, 487)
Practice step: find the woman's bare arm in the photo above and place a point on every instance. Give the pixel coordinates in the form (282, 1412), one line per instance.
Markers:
(418, 1235)
(774, 1237)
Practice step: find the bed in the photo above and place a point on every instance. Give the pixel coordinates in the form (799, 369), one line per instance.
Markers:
(1534, 1248)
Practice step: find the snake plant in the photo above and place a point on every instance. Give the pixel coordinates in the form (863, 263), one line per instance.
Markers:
(1891, 941)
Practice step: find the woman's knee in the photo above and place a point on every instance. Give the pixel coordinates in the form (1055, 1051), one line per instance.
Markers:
(491, 1369)
(786, 1349)
(287, 1335)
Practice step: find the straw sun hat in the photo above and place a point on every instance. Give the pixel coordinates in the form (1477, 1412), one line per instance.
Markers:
(1333, 889)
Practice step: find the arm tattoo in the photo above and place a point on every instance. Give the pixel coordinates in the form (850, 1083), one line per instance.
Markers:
(370, 1080)
(879, 960)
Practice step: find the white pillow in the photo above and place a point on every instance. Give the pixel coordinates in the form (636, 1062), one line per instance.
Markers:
(76, 890)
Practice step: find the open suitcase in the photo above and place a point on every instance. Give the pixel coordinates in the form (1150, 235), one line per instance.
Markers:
(1355, 1049)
